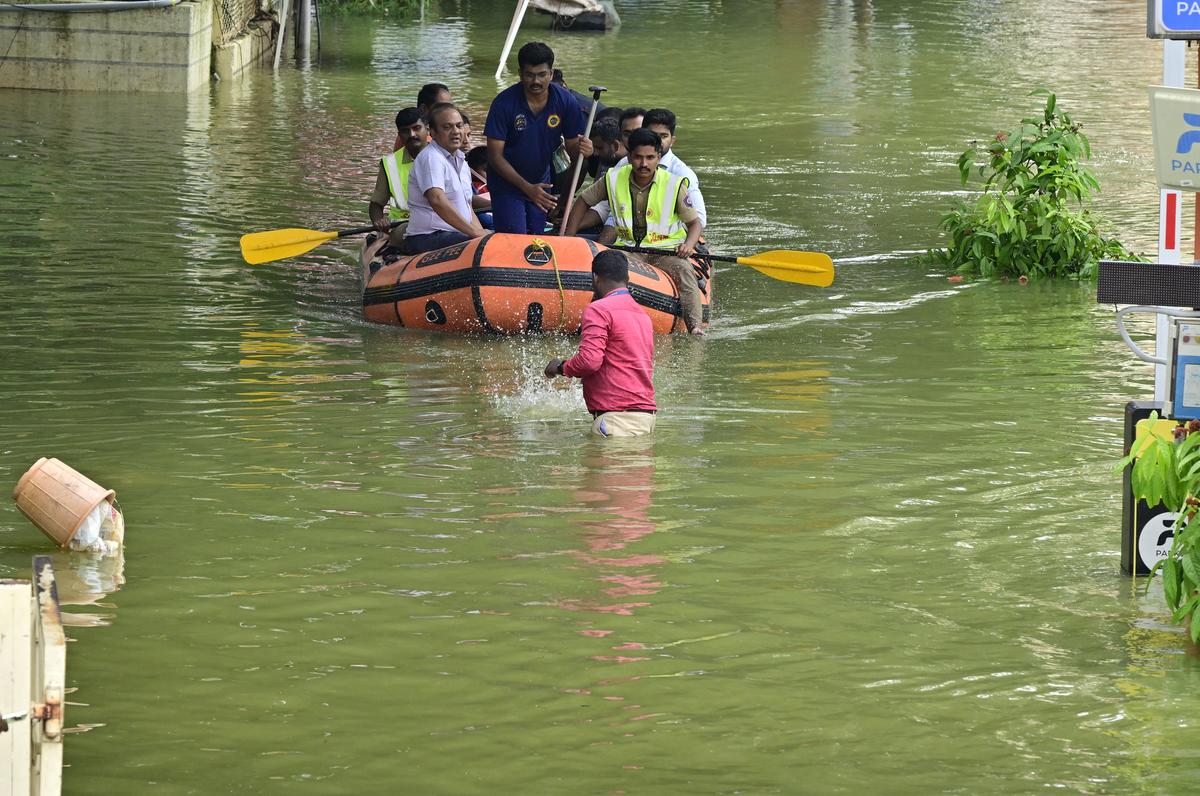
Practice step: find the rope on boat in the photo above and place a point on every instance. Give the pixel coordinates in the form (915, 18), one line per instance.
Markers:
(562, 296)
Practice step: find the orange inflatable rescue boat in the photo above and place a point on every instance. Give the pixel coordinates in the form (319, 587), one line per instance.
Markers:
(508, 284)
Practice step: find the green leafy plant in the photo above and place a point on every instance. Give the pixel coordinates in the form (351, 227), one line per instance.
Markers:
(1168, 472)
(1031, 218)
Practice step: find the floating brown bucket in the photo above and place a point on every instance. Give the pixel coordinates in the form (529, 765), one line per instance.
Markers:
(57, 499)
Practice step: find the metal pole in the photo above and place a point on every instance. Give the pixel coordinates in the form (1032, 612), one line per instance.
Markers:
(1169, 227)
(283, 20)
(79, 8)
(304, 29)
(518, 15)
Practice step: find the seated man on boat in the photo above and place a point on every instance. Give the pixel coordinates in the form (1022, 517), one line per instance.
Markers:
(610, 112)
(662, 122)
(525, 125)
(608, 150)
(630, 120)
(389, 200)
(608, 139)
(465, 146)
(439, 188)
(608, 147)
(429, 95)
(432, 94)
(650, 209)
(616, 354)
(477, 164)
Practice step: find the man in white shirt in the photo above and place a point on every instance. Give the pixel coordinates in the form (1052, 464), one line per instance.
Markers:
(439, 188)
(662, 122)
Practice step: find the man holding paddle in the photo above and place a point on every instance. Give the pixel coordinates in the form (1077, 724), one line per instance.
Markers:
(389, 200)
(525, 125)
(650, 209)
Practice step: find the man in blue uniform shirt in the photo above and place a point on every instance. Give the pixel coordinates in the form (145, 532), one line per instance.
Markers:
(525, 125)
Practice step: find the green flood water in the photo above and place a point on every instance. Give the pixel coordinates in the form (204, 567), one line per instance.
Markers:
(873, 546)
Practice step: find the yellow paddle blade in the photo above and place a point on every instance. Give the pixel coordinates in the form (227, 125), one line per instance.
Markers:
(805, 268)
(279, 244)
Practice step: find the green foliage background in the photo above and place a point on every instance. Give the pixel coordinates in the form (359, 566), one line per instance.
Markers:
(1031, 219)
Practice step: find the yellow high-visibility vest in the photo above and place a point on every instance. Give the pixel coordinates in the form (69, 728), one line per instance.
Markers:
(397, 176)
(664, 228)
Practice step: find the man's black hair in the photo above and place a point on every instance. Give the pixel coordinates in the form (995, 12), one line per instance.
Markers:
(611, 265)
(644, 137)
(660, 116)
(610, 112)
(428, 94)
(466, 118)
(477, 156)
(631, 113)
(606, 130)
(534, 54)
(556, 76)
(438, 110)
(407, 117)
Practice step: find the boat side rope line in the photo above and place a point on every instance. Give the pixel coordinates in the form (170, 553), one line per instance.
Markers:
(562, 296)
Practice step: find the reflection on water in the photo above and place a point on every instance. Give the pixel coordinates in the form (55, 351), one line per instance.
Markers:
(86, 579)
(617, 492)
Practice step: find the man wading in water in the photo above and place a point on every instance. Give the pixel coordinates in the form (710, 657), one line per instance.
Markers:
(616, 354)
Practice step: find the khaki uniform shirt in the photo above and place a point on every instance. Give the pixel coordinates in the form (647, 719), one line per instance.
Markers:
(598, 192)
(383, 194)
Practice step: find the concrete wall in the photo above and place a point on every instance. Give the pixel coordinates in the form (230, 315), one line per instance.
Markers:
(255, 46)
(154, 49)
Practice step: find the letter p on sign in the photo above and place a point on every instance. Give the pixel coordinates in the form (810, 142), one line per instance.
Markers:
(1173, 19)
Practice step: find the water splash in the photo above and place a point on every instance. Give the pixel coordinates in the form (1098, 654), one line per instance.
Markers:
(530, 395)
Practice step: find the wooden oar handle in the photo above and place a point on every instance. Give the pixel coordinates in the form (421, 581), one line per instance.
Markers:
(587, 132)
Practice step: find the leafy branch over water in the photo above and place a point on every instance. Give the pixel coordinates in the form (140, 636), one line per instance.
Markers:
(1168, 472)
(1031, 218)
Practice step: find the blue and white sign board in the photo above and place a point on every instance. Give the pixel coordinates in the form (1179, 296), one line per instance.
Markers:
(1176, 122)
(1173, 19)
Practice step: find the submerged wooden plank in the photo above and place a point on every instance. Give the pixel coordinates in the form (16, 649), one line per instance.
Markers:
(16, 625)
(49, 681)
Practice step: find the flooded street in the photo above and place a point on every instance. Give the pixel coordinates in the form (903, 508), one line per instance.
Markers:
(873, 545)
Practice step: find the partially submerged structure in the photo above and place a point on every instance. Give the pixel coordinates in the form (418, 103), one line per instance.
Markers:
(596, 15)
(33, 660)
(133, 45)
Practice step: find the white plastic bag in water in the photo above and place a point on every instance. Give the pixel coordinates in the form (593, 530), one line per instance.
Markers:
(103, 531)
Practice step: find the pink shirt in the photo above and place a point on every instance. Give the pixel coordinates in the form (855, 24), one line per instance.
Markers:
(616, 355)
